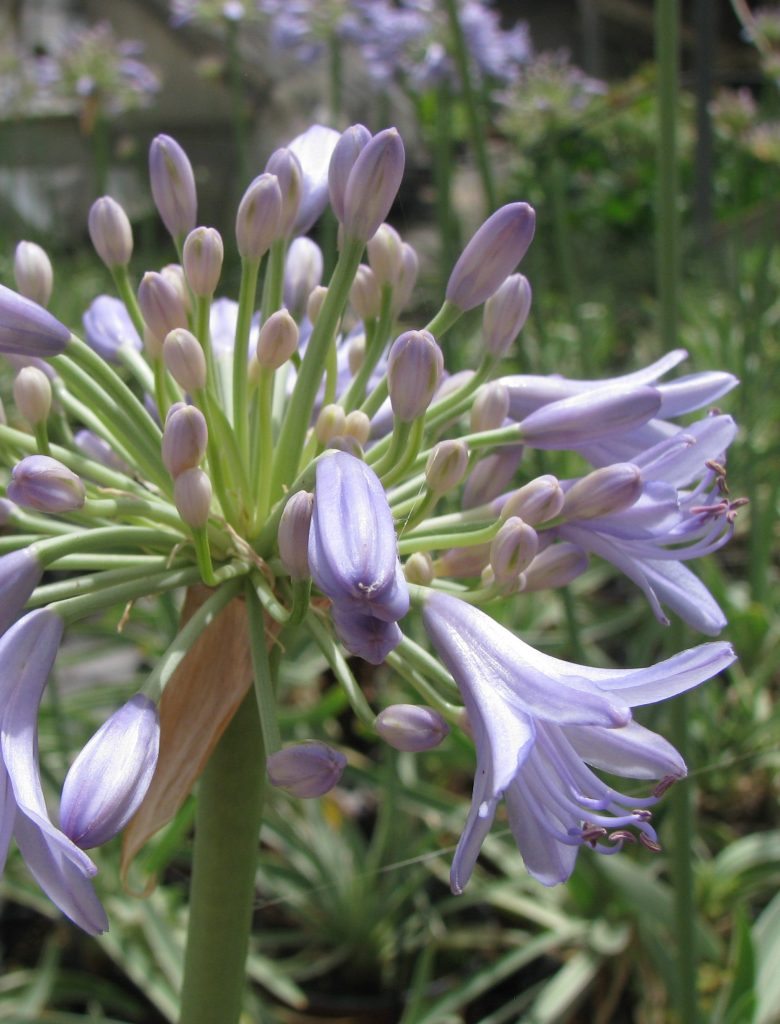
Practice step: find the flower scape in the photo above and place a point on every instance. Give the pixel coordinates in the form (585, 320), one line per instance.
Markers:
(298, 451)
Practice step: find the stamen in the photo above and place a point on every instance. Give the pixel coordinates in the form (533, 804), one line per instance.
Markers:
(649, 844)
(642, 814)
(666, 783)
(621, 836)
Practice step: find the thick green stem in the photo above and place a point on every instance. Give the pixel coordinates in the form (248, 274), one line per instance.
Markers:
(227, 828)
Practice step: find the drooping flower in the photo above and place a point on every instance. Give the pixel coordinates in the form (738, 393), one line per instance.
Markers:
(538, 723)
(63, 871)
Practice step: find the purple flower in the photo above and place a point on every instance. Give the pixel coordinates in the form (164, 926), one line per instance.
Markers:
(670, 524)
(109, 778)
(63, 871)
(27, 329)
(538, 723)
(313, 149)
(353, 555)
(108, 327)
(20, 574)
(306, 769)
(46, 485)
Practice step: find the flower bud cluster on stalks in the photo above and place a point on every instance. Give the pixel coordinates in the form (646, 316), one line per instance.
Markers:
(334, 479)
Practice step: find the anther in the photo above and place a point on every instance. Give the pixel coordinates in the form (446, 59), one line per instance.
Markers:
(666, 783)
(649, 844)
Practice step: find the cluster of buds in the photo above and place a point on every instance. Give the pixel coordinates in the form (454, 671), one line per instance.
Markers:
(301, 451)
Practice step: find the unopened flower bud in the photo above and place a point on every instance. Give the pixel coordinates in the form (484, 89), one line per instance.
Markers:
(192, 497)
(414, 366)
(365, 636)
(109, 778)
(536, 502)
(44, 484)
(589, 416)
(202, 259)
(293, 535)
(285, 165)
(173, 185)
(173, 273)
(184, 360)
(258, 217)
(463, 563)
(110, 231)
(411, 727)
(407, 278)
(555, 567)
(347, 149)
(491, 255)
(505, 313)
(306, 769)
(184, 439)
(32, 394)
(161, 306)
(385, 255)
(491, 475)
(278, 340)
(373, 184)
(100, 451)
(603, 492)
(513, 549)
(27, 329)
(356, 352)
(330, 423)
(365, 294)
(490, 407)
(302, 273)
(446, 466)
(314, 303)
(418, 568)
(357, 425)
(33, 272)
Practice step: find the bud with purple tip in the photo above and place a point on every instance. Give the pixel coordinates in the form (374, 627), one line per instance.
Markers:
(284, 164)
(414, 368)
(346, 151)
(44, 484)
(184, 360)
(385, 255)
(589, 416)
(184, 439)
(293, 535)
(110, 231)
(27, 329)
(202, 260)
(491, 255)
(535, 502)
(411, 727)
(173, 185)
(513, 549)
(603, 492)
(259, 217)
(505, 313)
(490, 407)
(373, 184)
(277, 341)
(365, 636)
(192, 496)
(446, 466)
(555, 567)
(161, 305)
(306, 769)
(109, 778)
(352, 543)
(365, 294)
(33, 272)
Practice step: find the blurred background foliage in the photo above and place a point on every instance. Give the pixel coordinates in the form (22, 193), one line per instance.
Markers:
(354, 919)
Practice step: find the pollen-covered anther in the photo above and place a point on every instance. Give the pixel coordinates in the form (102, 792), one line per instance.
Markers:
(621, 835)
(666, 783)
(592, 833)
(649, 844)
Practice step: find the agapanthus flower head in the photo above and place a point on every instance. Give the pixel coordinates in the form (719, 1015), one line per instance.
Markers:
(312, 473)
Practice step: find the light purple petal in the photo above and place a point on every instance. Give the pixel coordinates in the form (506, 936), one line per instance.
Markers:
(633, 751)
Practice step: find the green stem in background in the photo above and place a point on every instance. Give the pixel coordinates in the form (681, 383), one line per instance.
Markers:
(376, 342)
(246, 308)
(557, 191)
(238, 104)
(227, 830)
(127, 295)
(299, 408)
(273, 285)
(137, 365)
(265, 694)
(474, 116)
(334, 79)
(340, 668)
(101, 153)
(668, 275)
(42, 437)
(443, 162)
